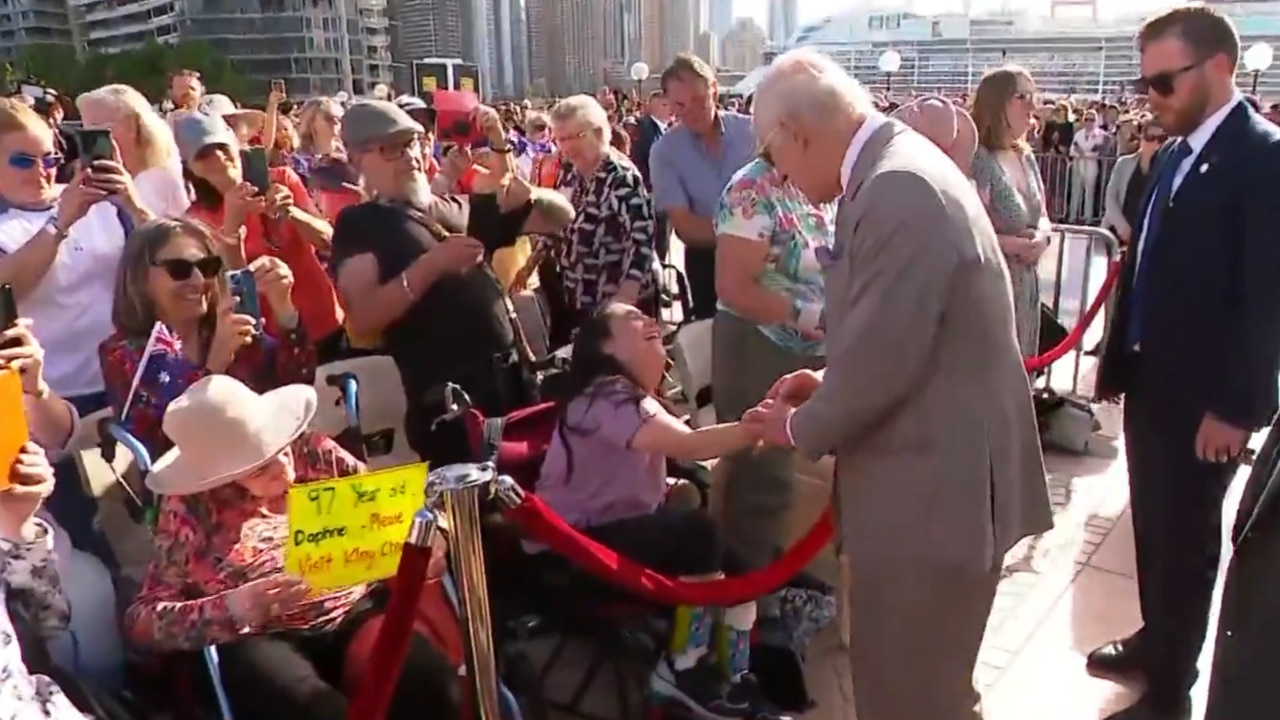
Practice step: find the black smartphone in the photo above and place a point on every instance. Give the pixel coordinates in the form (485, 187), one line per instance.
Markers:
(256, 169)
(242, 285)
(277, 85)
(8, 313)
(95, 145)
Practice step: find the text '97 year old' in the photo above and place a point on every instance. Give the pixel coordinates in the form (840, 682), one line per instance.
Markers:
(351, 530)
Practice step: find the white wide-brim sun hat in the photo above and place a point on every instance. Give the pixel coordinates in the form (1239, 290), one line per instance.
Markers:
(222, 430)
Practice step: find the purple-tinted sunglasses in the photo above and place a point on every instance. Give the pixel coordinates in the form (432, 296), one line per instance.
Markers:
(23, 161)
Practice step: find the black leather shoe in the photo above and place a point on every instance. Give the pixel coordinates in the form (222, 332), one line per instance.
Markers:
(1117, 659)
(1146, 710)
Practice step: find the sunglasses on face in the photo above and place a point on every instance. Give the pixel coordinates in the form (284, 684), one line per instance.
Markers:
(1162, 83)
(180, 269)
(25, 161)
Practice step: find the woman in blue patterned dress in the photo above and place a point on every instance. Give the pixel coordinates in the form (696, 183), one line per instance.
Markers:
(1008, 180)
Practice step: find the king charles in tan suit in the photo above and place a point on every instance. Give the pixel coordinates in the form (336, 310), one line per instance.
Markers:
(924, 402)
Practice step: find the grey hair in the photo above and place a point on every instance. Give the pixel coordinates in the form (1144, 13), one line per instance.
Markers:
(583, 110)
(807, 85)
(154, 138)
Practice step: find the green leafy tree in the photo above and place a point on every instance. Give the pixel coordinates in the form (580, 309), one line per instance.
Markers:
(146, 68)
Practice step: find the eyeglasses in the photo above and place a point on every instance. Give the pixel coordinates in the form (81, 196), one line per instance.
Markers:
(26, 161)
(1162, 83)
(397, 150)
(571, 137)
(180, 269)
(1154, 137)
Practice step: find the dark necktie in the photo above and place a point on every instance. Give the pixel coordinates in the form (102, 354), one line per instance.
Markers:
(1160, 198)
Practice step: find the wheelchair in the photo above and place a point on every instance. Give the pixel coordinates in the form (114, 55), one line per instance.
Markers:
(541, 595)
(186, 700)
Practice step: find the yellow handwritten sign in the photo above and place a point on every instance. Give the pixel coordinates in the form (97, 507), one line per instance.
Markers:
(351, 530)
(467, 84)
(428, 83)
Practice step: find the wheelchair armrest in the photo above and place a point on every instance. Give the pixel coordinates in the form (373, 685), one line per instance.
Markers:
(113, 435)
(348, 386)
(213, 664)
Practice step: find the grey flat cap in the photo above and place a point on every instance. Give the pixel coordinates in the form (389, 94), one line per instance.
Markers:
(370, 122)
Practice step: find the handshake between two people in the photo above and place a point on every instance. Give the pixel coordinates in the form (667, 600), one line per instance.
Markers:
(769, 422)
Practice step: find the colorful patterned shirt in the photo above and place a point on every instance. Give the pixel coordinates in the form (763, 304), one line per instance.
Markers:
(758, 204)
(264, 364)
(210, 543)
(29, 578)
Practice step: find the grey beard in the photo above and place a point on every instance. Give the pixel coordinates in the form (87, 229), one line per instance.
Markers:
(418, 191)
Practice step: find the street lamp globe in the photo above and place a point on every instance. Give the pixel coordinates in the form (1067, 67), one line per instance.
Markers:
(1258, 57)
(890, 61)
(381, 91)
(640, 71)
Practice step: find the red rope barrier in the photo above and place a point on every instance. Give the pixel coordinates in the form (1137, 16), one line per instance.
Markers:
(546, 527)
(1076, 336)
(392, 645)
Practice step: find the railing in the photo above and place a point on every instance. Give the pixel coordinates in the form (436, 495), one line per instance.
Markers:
(1075, 189)
(1077, 282)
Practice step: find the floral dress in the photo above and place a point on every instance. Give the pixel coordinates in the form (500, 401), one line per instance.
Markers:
(1015, 213)
(210, 543)
(29, 582)
(759, 204)
(265, 364)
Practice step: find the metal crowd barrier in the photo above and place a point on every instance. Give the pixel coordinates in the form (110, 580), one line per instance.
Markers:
(1078, 264)
(1075, 189)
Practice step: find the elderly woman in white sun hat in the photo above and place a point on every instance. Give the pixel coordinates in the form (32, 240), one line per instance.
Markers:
(219, 576)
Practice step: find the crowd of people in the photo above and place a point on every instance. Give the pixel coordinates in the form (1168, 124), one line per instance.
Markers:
(870, 270)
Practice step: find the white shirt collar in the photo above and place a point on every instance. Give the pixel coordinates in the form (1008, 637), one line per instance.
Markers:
(870, 125)
(1200, 136)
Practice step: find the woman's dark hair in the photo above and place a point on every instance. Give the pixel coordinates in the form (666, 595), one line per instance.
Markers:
(133, 312)
(203, 195)
(595, 375)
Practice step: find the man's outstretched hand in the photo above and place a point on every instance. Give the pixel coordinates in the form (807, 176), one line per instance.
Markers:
(768, 422)
(795, 388)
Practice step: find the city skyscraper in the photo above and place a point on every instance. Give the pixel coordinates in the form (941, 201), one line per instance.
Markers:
(569, 45)
(504, 68)
(784, 20)
(743, 47)
(720, 17)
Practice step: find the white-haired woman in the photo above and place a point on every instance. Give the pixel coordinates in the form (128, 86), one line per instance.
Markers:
(147, 149)
(607, 253)
(319, 123)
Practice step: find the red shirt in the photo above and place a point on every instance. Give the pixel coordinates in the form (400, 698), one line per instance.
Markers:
(313, 292)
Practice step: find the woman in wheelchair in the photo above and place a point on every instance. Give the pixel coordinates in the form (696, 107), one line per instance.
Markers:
(170, 273)
(605, 473)
(219, 576)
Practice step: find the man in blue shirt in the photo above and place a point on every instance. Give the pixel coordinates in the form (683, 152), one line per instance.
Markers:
(692, 163)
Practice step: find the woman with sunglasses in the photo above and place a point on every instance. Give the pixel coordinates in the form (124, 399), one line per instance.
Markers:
(59, 245)
(170, 273)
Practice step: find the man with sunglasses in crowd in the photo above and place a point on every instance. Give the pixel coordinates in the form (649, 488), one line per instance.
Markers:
(1195, 343)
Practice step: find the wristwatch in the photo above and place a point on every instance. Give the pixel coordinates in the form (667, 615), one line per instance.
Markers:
(51, 226)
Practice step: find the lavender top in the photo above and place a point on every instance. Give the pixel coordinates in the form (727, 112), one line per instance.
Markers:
(591, 474)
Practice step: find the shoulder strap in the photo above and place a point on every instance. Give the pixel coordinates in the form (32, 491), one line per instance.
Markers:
(440, 233)
(126, 221)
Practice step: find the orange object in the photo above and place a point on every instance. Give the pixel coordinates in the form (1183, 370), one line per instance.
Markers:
(13, 423)
(546, 170)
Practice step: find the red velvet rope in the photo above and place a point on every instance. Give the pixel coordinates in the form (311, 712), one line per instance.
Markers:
(392, 645)
(546, 527)
(1073, 340)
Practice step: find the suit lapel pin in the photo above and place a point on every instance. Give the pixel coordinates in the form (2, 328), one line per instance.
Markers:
(1204, 167)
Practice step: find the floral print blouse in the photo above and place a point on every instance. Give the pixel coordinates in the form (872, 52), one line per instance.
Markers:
(265, 364)
(208, 544)
(29, 579)
(759, 204)
(611, 238)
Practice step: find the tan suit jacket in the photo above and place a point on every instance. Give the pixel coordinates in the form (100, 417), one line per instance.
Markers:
(925, 402)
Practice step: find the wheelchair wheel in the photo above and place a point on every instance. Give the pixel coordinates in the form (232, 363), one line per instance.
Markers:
(522, 679)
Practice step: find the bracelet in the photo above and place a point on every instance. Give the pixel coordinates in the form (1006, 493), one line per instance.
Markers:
(404, 283)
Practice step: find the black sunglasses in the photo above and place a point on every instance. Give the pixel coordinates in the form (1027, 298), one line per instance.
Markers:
(1162, 83)
(179, 269)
